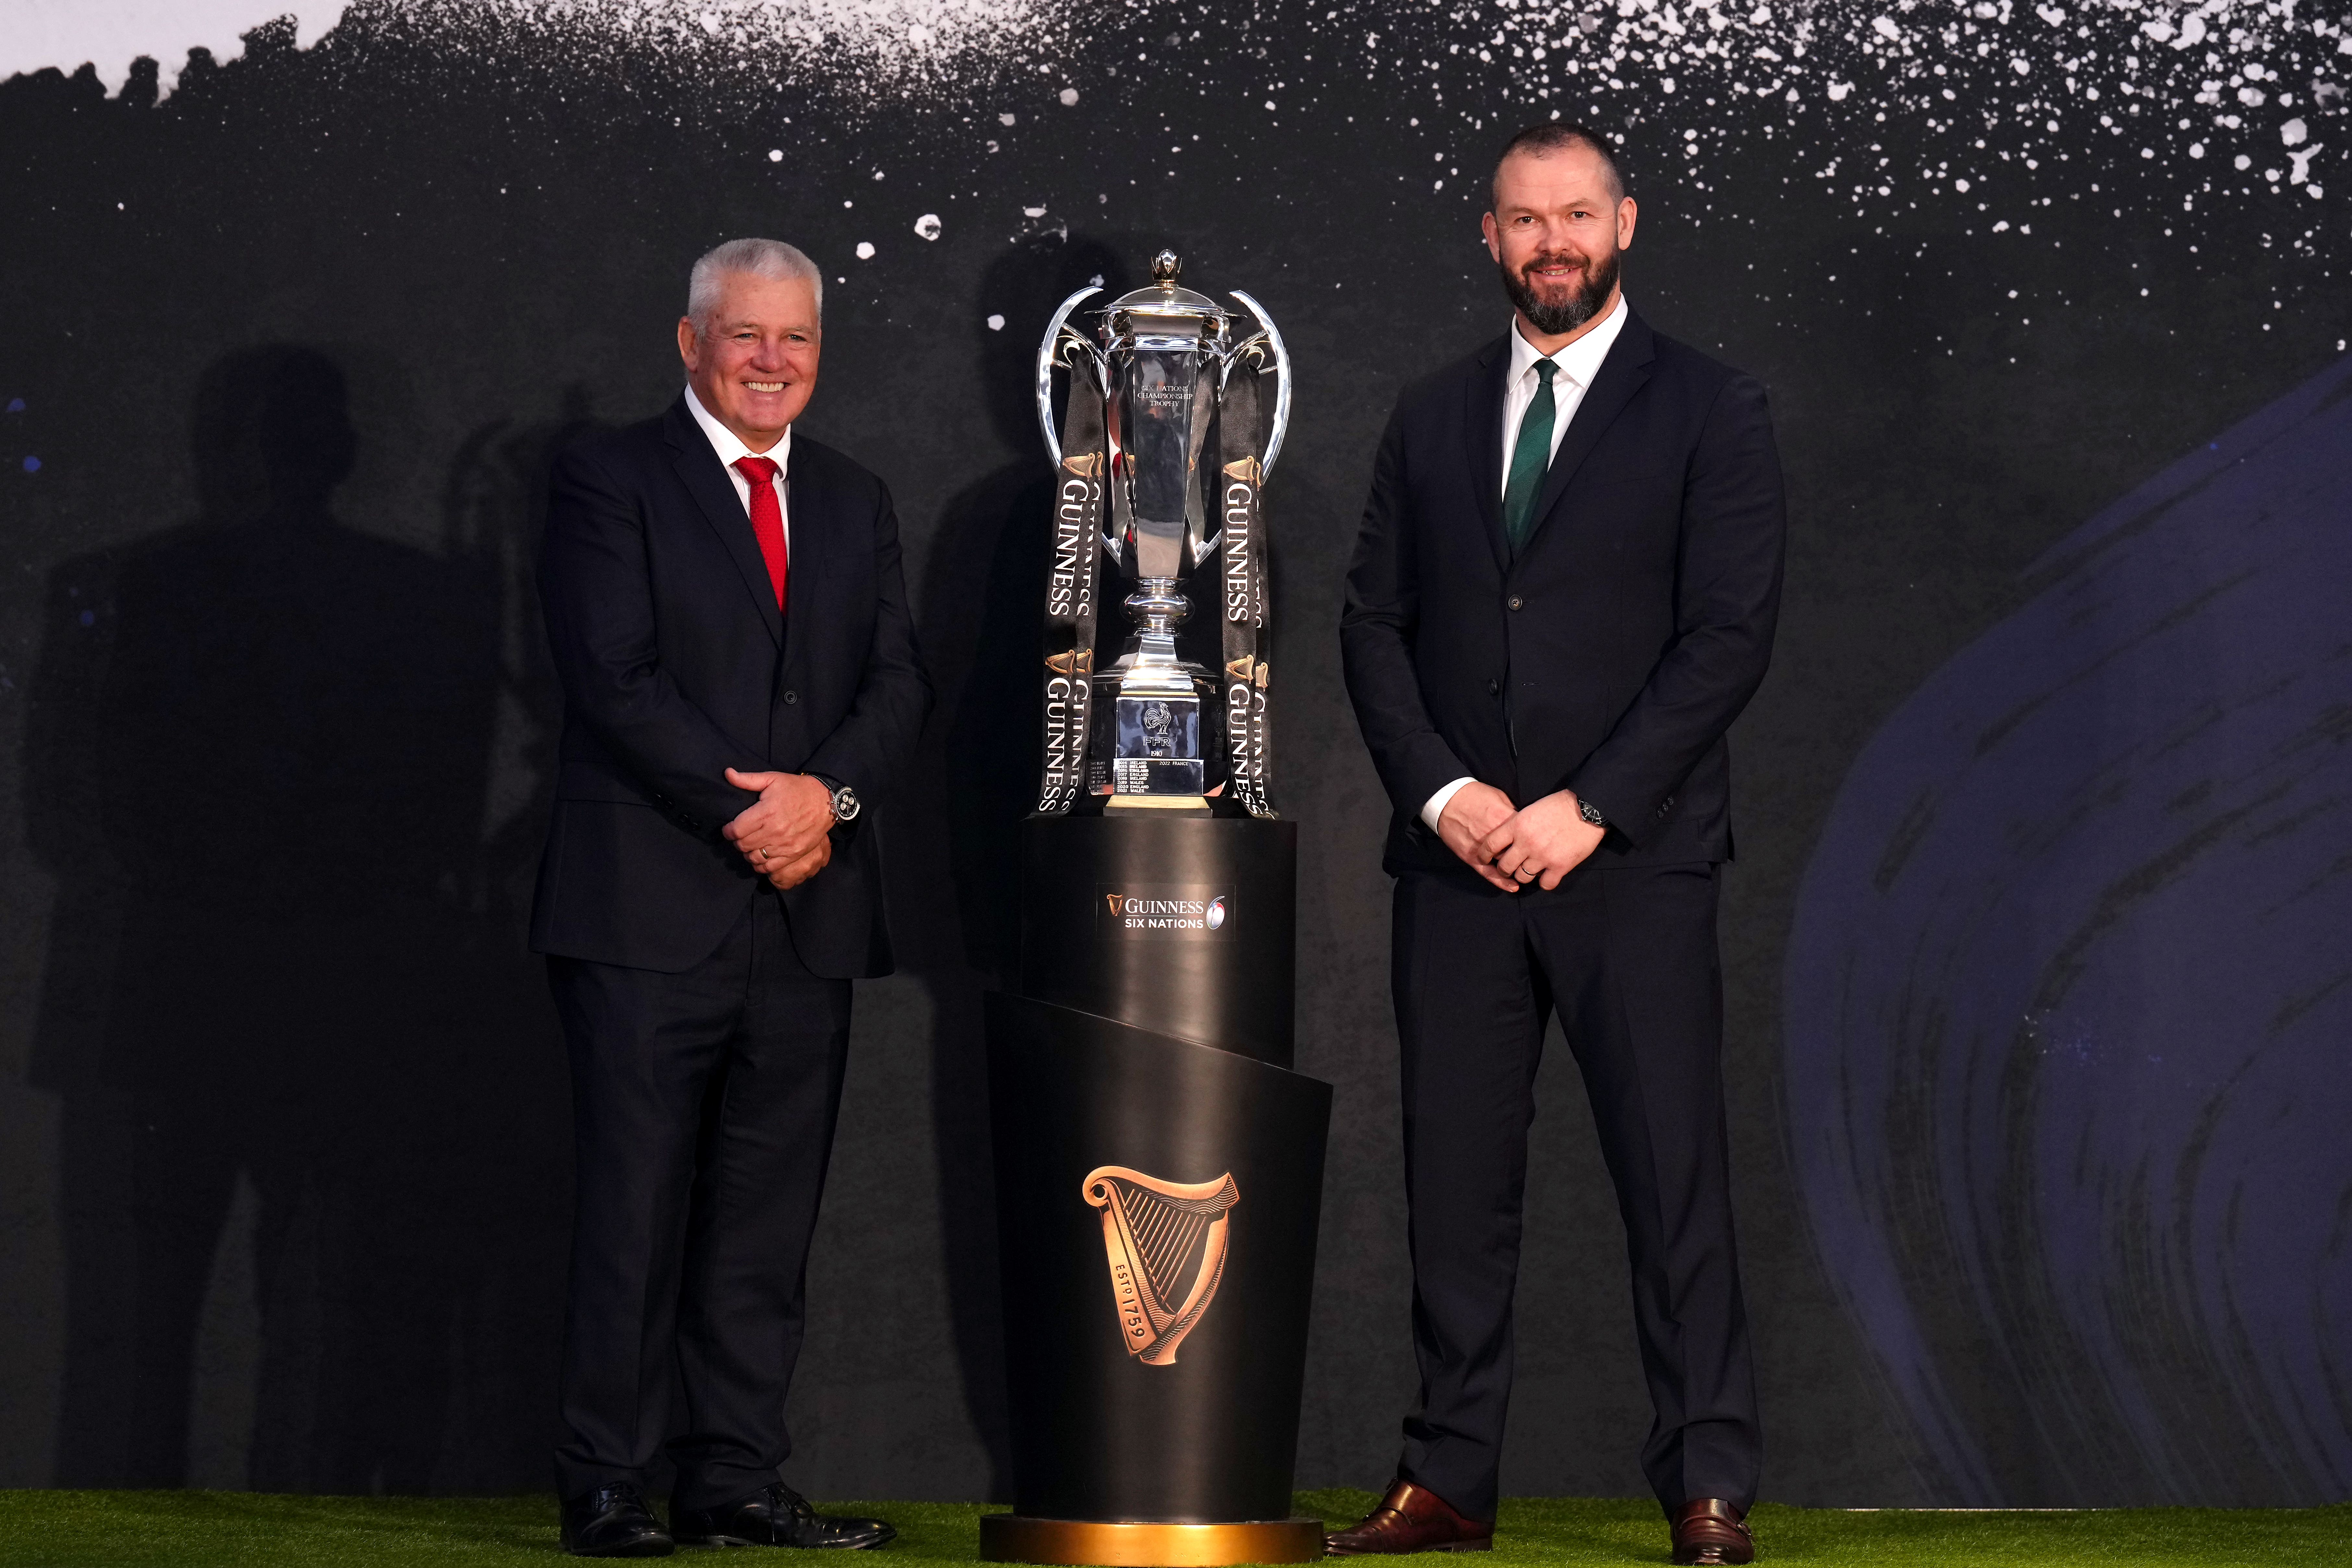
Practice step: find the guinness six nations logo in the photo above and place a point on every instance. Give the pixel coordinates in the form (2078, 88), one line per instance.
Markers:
(1165, 911)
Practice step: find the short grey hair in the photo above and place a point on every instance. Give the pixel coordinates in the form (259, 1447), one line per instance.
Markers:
(761, 258)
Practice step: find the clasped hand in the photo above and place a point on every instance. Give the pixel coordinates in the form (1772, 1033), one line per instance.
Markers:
(786, 834)
(1513, 849)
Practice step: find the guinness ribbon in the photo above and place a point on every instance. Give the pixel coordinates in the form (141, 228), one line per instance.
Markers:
(1243, 594)
(1070, 596)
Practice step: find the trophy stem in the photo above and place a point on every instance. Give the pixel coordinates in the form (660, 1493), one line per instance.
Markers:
(1158, 608)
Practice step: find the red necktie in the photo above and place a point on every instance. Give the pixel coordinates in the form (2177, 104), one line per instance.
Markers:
(767, 518)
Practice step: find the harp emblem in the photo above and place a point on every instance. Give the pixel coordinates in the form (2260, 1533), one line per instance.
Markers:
(1166, 1243)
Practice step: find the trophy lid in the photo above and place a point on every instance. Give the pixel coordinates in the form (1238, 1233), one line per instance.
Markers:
(1165, 297)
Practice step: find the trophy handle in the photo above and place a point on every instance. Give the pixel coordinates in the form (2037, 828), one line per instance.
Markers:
(1048, 350)
(1281, 383)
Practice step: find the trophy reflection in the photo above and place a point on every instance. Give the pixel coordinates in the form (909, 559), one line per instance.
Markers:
(1167, 438)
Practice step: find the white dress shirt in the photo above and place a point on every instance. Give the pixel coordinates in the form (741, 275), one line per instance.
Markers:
(1577, 363)
(729, 446)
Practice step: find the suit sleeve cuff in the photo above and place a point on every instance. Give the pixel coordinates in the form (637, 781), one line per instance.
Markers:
(1434, 808)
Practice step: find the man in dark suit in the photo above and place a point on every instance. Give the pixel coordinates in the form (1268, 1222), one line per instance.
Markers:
(1563, 593)
(740, 684)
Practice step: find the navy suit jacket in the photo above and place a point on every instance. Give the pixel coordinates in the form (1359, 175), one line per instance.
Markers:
(1611, 654)
(677, 665)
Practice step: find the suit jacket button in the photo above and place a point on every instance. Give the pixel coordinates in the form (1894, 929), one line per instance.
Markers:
(790, 698)
(1493, 690)
(1515, 600)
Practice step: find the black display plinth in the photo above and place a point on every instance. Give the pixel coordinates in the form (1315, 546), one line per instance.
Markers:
(1159, 1185)
(1229, 985)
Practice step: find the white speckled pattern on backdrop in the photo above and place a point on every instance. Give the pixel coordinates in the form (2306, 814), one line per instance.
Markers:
(2220, 93)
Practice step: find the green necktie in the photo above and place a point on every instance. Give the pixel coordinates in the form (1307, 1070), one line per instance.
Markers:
(1529, 459)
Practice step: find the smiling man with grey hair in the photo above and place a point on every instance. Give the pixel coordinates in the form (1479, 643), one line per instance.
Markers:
(742, 690)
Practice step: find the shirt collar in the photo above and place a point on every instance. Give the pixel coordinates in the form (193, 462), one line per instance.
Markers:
(728, 446)
(1579, 361)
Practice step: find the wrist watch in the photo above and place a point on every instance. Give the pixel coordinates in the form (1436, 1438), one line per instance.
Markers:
(844, 799)
(1591, 813)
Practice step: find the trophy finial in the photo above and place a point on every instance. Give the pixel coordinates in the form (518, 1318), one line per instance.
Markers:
(1166, 268)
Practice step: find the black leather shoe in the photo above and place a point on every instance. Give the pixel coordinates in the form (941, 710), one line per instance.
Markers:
(775, 1516)
(613, 1522)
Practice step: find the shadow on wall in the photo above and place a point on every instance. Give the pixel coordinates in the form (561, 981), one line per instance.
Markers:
(288, 777)
(2069, 997)
(980, 605)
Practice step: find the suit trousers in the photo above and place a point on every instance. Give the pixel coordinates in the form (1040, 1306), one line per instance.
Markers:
(703, 1108)
(1627, 957)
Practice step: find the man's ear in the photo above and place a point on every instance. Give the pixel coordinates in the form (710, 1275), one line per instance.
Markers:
(686, 342)
(1487, 227)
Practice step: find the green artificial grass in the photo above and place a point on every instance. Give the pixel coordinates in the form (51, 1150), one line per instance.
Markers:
(200, 1530)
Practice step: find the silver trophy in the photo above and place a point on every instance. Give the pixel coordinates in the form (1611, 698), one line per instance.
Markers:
(1165, 383)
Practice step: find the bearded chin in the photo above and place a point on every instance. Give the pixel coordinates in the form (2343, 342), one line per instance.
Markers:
(1566, 313)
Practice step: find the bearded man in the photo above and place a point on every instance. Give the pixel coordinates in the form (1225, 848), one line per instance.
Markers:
(1563, 594)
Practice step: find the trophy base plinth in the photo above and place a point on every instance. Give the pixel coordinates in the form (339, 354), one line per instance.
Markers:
(1160, 805)
(1232, 987)
(1010, 1538)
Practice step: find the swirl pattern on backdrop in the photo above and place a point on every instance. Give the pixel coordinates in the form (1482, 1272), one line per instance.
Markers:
(2067, 1000)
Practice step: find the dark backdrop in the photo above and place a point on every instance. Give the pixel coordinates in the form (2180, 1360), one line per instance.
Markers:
(2036, 1114)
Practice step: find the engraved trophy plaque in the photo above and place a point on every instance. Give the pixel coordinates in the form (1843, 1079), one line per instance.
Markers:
(1164, 451)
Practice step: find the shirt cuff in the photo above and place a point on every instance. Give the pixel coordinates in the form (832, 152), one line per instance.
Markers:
(1435, 808)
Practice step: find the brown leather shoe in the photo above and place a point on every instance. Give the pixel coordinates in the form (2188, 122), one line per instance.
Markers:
(1411, 1518)
(1709, 1530)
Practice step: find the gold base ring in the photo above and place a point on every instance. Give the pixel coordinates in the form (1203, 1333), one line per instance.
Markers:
(1010, 1538)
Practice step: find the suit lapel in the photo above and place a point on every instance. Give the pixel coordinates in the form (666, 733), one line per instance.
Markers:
(1622, 374)
(1482, 429)
(714, 493)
